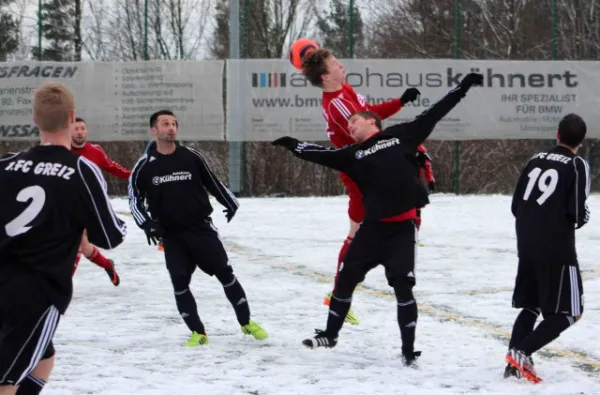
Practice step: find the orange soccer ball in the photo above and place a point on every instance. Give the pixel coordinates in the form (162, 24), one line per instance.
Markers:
(300, 48)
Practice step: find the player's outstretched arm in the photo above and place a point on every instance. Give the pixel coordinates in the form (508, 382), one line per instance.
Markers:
(578, 208)
(104, 228)
(417, 130)
(215, 186)
(136, 191)
(338, 159)
(111, 166)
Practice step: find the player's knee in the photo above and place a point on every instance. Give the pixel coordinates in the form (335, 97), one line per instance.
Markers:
(44, 368)
(577, 317)
(180, 283)
(350, 278)
(403, 291)
(225, 275)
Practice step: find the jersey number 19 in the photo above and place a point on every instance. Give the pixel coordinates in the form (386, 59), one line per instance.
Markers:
(546, 183)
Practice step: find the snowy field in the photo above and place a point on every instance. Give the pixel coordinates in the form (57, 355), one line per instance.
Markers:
(128, 340)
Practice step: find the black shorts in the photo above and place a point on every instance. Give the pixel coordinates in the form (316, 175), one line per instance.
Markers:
(27, 325)
(552, 287)
(391, 244)
(201, 247)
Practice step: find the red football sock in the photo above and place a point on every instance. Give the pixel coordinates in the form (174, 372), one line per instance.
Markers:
(99, 259)
(341, 256)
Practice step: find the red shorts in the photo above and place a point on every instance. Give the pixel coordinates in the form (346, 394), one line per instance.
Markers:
(356, 209)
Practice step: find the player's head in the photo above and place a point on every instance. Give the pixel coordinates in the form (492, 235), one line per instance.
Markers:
(323, 70)
(163, 125)
(54, 108)
(363, 124)
(80, 132)
(571, 131)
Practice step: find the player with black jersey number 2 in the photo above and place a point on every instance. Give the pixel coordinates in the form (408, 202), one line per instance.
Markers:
(49, 195)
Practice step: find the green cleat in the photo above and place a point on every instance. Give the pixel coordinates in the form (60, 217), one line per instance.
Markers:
(255, 330)
(197, 339)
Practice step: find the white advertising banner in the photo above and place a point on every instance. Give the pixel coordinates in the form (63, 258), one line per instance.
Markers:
(519, 99)
(116, 99)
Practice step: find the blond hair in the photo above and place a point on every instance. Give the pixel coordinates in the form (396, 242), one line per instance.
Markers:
(53, 106)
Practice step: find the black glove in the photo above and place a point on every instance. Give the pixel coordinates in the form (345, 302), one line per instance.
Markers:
(154, 231)
(409, 95)
(287, 142)
(471, 79)
(229, 213)
(431, 186)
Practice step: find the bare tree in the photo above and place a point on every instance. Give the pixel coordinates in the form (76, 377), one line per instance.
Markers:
(270, 26)
(175, 29)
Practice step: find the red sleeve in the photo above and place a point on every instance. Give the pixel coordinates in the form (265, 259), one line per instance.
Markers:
(426, 169)
(384, 110)
(110, 166)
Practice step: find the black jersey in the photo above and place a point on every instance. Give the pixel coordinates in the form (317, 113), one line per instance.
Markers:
(549, 203)
(174, 189)
(48, 197)
(384, 165)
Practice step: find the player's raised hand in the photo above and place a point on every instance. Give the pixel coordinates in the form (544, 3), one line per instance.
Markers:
(287, 142)
(409, 95)
(472, 79)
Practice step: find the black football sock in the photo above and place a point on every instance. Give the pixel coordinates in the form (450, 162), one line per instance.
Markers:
(31, 386)
(237, 297)
(338, 309)
(186, 304)
(523, 327)
(547, 331)
(407, 317)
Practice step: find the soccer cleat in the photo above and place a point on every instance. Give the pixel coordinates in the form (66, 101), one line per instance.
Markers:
(410, 359)
(351, 318)
(523, 363)
(160, 247)
(511, 371)
(112, 274)
(320, 340)
(197, 339)
(255, 330)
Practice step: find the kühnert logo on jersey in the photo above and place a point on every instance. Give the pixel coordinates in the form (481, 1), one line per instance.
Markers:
(173, 177)
(378, 146)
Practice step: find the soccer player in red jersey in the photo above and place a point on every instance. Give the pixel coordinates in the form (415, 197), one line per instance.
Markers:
(339, 102)
(96, 154)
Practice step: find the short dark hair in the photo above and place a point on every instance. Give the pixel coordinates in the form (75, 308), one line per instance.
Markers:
(154, 117)
(571, 130)
(313, 66)
(370, 115)
(78, 119)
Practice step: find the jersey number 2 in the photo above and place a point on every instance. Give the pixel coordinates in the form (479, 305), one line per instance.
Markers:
(19, 225)
(546, 183)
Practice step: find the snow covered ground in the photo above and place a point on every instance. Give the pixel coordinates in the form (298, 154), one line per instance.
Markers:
(128, 340)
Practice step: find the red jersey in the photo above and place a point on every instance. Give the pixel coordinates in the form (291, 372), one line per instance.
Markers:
(96, 154)
(425, 170)
(339, 106)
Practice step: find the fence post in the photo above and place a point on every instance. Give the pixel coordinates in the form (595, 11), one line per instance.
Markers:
(351, 29)
(40, 25)
(457, 23)
(234, 166)
(146, 55)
